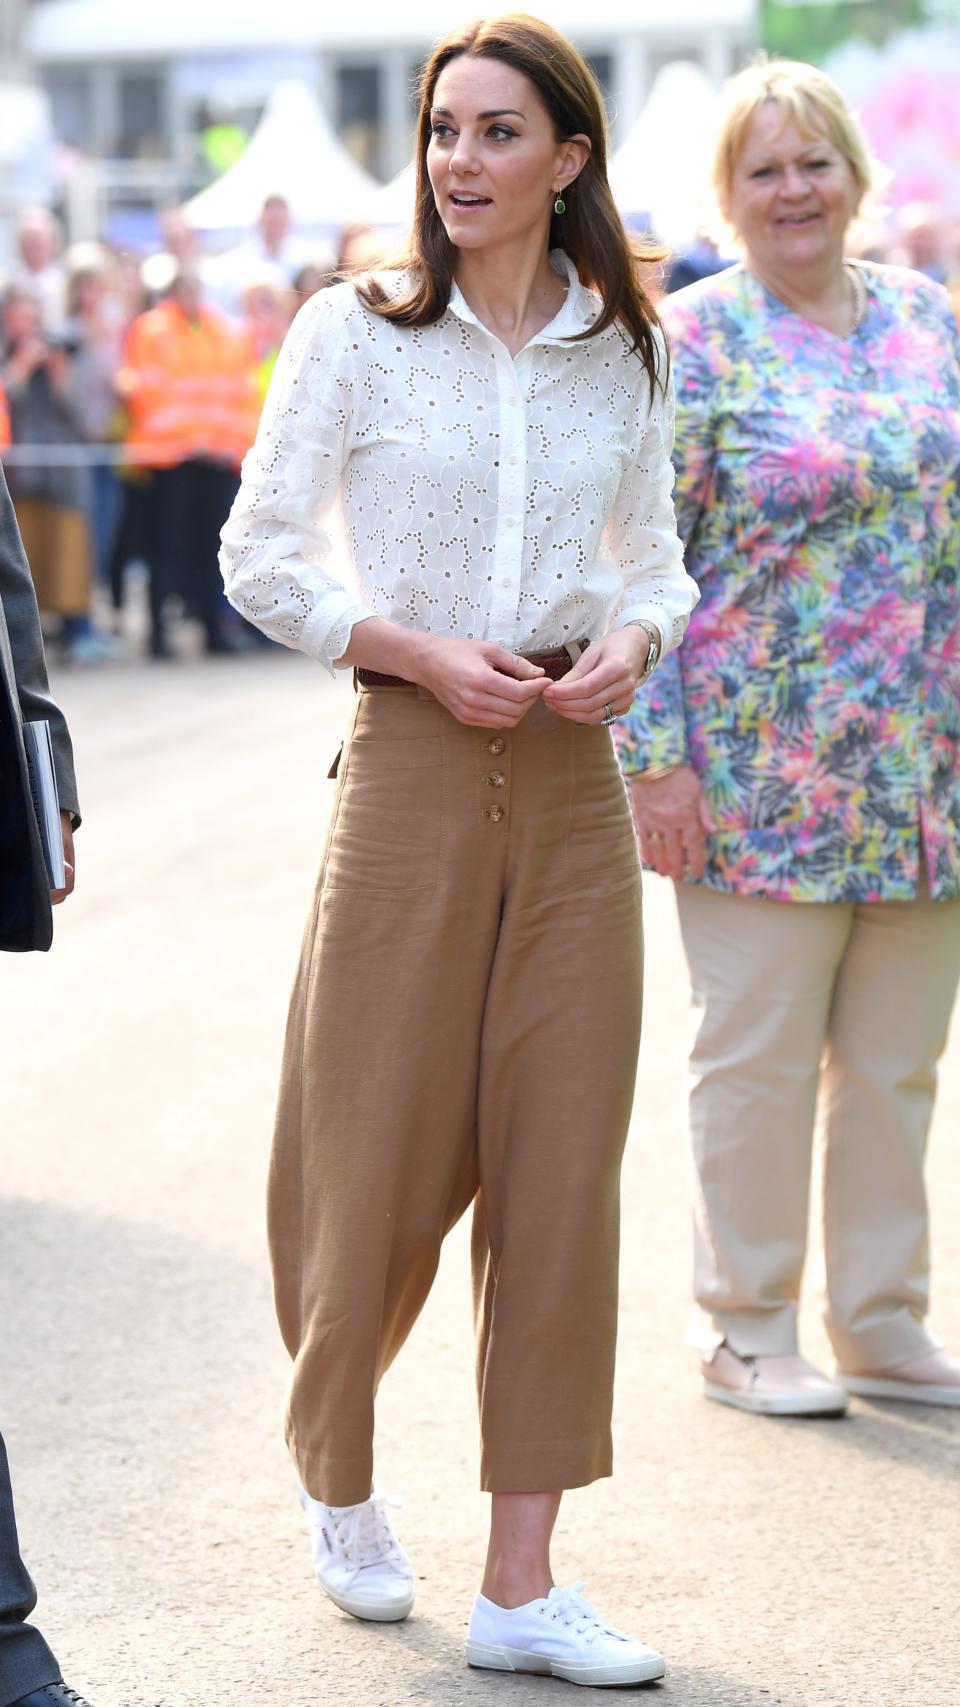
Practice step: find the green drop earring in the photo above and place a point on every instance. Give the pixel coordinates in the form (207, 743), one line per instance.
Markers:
(559, 205)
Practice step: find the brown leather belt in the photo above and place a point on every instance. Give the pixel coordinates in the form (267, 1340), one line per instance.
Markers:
(555, 663)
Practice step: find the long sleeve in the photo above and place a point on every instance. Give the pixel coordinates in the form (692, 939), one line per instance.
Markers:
(654, 732)
(642, 530)
(22, 620)
(276, 553)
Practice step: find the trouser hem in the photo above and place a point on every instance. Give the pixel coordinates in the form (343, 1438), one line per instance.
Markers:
(44, 1672)
(883, 1345)
(749, 1333)
(335, 1481)
(545, 1467)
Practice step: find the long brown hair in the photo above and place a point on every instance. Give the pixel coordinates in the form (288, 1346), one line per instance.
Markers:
(590, 231)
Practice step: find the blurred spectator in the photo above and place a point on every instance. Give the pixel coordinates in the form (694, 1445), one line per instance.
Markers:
(50, 495)
(94, 330)
(273, 251)
(925, 238)
(128, 286)
(181, 249)
(190, 386)
(309, 280)
(700, 261)
(37, 266)
(267, 311)
(360, 247)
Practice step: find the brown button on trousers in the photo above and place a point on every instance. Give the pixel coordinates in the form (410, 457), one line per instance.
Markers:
(464, 1028)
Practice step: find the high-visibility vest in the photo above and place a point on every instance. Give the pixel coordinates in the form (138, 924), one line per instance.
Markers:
(4, 420)
(190, 387)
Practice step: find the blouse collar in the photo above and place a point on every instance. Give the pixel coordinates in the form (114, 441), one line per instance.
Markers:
(579, 309)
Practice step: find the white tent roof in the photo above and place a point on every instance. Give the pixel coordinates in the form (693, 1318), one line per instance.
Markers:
(661, 168)
(293, 153)
(92, 29)
(394, 202)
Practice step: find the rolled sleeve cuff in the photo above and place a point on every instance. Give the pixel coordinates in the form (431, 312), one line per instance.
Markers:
(326, 635)
(670, 627)
(660, 748)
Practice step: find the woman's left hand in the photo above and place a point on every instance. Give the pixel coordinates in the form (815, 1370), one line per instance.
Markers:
(604, 678)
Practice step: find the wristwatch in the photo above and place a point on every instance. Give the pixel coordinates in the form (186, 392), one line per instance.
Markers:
(654, 649)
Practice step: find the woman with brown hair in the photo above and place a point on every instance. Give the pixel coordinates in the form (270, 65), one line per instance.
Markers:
(494, 416)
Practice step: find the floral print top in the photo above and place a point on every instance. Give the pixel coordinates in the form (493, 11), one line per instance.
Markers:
(817, 693)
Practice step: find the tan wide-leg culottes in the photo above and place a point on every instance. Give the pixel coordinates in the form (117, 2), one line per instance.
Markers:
(793, 1002)
(464, 1026)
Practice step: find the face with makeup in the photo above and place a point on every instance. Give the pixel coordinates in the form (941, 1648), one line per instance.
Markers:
(792, 194)
(494, 160)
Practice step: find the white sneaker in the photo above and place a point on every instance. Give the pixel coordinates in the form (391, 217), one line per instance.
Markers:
(358, 1559)
(561, 1636)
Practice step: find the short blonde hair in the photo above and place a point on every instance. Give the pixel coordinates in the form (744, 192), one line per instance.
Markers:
(803, 93)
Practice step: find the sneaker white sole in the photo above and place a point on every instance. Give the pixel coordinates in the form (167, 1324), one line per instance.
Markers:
(496, 1658)
(915, 1392)
(779, 1404)
(371, 1608)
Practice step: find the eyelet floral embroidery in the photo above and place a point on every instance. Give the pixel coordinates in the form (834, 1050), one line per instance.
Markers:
(526, 501)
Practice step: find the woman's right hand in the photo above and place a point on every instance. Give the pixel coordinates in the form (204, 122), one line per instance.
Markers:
(482, 684)
(672, 820)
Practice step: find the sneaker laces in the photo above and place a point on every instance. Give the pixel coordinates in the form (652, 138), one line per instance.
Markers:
(363, 1534)
(568, 1607)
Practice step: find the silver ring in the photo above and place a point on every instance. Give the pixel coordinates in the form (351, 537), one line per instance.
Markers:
(609, 716)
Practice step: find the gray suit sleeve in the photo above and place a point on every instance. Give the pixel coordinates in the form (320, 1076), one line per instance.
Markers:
(26, 645)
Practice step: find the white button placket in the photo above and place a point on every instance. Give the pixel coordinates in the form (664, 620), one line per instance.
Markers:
(511, 495)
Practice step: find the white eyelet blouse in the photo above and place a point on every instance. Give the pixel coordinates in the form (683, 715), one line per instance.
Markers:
(524, 500)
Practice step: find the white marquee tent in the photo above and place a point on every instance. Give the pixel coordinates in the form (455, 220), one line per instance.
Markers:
(294, 153)
(659, 173)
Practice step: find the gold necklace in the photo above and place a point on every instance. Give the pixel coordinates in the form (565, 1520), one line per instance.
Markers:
(858, 291)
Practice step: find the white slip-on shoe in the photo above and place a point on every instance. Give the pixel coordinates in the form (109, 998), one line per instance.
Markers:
(772, 1386)
(933, 1379)
(561, 1636)
(358, 1560)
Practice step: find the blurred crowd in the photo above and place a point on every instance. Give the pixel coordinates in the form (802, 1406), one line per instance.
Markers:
(130, 389)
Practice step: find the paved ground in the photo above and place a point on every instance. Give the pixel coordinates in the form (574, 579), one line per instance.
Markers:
(800, 1564)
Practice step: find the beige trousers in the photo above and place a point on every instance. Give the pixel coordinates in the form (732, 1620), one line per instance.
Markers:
(791, 999)
(464, 1026)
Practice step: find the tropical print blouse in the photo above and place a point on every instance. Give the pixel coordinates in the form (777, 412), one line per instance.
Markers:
(817, 692)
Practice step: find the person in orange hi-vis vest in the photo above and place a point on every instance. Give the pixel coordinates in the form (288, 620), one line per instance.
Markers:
(189, 382)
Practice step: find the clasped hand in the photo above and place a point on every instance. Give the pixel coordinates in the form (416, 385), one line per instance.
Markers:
(487, 686)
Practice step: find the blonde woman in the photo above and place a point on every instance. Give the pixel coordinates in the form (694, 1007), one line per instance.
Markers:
(797, 772)
(496, 418)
